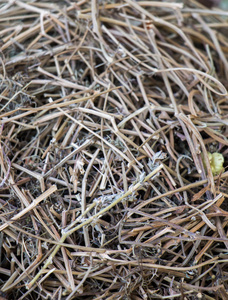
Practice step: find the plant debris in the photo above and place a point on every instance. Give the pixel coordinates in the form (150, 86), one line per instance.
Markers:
(108, 112)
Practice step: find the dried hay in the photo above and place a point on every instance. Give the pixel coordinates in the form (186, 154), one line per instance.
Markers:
(108, 109)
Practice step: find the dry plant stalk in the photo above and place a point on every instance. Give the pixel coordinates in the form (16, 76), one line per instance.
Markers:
(108, 112)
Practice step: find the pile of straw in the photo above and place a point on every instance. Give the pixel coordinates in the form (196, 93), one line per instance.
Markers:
(108, 112)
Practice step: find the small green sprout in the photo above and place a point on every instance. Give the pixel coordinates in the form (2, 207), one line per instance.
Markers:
(216, 162)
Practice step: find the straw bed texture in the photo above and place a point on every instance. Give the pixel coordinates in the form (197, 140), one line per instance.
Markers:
(110, 115)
